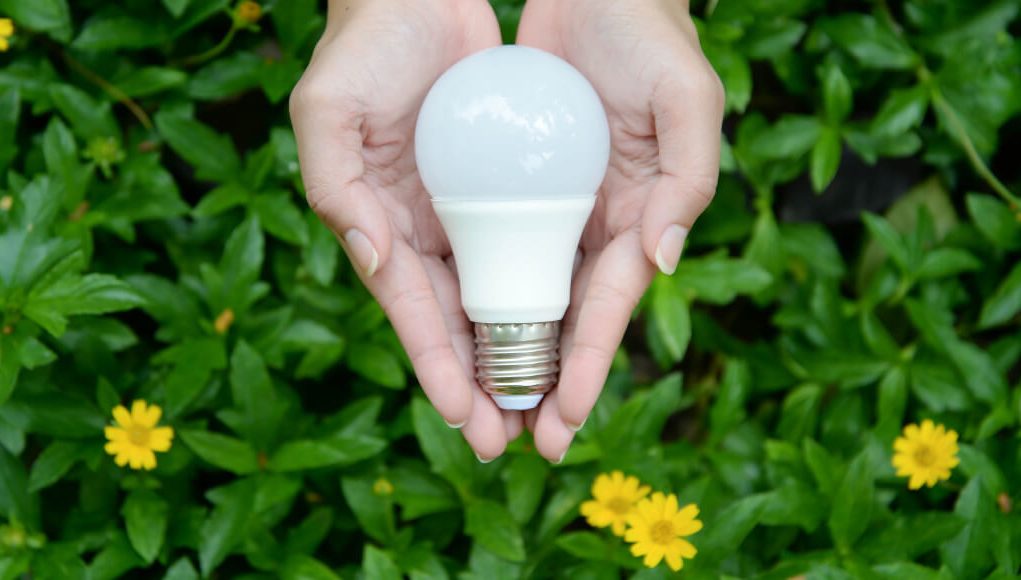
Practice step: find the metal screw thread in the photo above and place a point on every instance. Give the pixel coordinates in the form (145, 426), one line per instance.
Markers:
(517, 359)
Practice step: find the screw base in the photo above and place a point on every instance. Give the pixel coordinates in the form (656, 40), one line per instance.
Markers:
(517, 363)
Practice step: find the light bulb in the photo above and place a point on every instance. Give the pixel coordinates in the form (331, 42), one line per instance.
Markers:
(512, 144)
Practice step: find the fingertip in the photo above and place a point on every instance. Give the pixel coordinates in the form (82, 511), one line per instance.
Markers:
(552, 436)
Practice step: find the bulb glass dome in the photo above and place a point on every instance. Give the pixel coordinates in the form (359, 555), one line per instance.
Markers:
(512, 122)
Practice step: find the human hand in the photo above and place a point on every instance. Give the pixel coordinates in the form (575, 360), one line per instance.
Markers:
(354, 114)
(665, 108)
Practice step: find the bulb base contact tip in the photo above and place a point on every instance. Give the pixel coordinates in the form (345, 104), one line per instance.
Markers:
(517, 363)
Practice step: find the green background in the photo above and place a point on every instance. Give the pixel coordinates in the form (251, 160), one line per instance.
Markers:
(859, 270)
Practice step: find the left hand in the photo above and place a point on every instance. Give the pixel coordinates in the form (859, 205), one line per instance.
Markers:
(665, 108)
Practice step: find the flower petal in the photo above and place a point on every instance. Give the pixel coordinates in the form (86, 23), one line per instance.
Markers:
(122, 416)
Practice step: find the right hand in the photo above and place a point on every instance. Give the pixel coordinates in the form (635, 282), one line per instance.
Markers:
(354, 112)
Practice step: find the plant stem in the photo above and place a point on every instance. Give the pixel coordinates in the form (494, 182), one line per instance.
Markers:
(958, 131)
(212, 52)
(109, 88)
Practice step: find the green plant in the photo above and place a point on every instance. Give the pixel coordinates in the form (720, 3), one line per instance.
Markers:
(154, 245)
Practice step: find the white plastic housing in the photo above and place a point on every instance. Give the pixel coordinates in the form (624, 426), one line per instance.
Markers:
(515, 258)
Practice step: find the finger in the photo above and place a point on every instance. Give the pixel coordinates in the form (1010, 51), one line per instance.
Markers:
(552, 435)
(485, 430)
(513, 423)
(328, 131)
(688, 114)
(579, 285)
(619, 278)
(488, 433)
(406, 294)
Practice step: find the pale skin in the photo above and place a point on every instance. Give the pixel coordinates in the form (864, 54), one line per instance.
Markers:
(354, 114)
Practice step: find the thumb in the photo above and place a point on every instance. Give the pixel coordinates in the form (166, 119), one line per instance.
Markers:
(688, 117)
(330, 146)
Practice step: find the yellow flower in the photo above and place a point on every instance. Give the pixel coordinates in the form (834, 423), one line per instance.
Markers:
(615, 497)
(223, 321)
(6, 32)
(926, 454)
(657, 527)
(248, 12)
(136, 436)
(383, 487)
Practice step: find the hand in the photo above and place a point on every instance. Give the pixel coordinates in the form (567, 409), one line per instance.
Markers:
(665, 107)
(354, 114)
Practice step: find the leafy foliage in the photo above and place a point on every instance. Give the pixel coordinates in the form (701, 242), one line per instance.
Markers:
(154, 245)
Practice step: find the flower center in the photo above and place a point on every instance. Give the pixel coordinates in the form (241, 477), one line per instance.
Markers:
(619, 505)
(662, 532)
(924, 456)
(139, 436)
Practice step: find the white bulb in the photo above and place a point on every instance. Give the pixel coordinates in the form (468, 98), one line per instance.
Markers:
(512, 144)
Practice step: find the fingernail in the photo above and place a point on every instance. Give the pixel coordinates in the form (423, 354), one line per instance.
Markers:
(361, 249)
(668, 252)
(455, 425)
(577, 428)
(483, 461)
(561, 459)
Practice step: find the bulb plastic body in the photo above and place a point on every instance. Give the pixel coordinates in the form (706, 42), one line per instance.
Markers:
(512, 144)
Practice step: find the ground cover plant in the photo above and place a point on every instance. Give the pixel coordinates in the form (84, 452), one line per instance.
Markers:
(193, 383)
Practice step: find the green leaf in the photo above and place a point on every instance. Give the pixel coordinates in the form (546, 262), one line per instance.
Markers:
(226, 76)
(584, 545)
(254, 395)
(729, 528)
(852, 504)
(227, 525)
(374, 512)
(10, 112)
(56, 460)
(888, 238)
(525, 481)
(236, 285)
(792, 136)
(50, 16)
(182, 570)
(322, 252)
(114, 560)
(176, 7)
(377, 564)
(735, 73)
(212, 155)
(670, 318)
(968, 553)
(419, 493)
(16, 503)
(870, 41)
(149, 80)
(800, 413)
(50, 305)
(305, 454)
(112, 30)
(88, 117)
(718, 280)
(976, 366)
(145, 518)
(376, 364)
(944, 262)
(233, 455)
(308, 568)
(836, 93)
(491, 525)
(826, 154)
(281, 218)
(1005, 303)
(446, 450)
(893, 399)
(309, 534)
(901, 112)
(295, 22)
(995, 220)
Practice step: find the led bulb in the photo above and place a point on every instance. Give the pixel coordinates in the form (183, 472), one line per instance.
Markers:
(512, 144)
